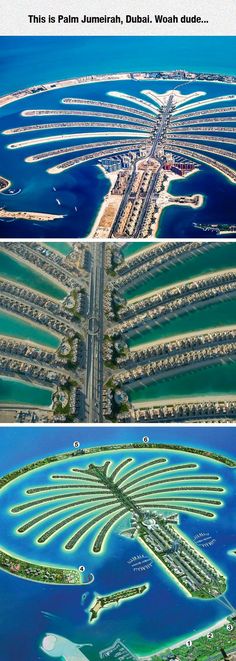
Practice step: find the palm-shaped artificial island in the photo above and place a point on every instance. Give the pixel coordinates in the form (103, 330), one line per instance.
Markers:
(149, 138)
(149, 497)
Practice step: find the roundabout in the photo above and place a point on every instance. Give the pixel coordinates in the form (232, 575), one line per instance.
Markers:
(47, 499)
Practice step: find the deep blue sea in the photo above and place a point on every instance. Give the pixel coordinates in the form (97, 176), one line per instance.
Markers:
(161, 616)
(31, 60)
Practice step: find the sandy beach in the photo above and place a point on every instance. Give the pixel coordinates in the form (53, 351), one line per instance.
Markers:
(101, 227)
(4, 184)
(111, 203)
(30, 343)
(150, 245)
(34, 267)
(181, 336)
(35, 216)
(32, 323)
(155, 403)
(195, 636)
(165, 199)
(32, 290)
(27, 382)
(155, 292)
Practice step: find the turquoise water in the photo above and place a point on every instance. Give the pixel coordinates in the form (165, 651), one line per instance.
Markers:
(88, 55)
(13, 326)
(13, 269)
(81, 190)
(177, 221)
(220, 256)
(14, 391)
(142, 624)
(220, 313)
(60, 246)
(132, 248)
(206, 381)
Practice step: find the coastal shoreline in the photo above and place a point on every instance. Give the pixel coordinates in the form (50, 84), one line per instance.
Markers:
(4, 278)
(4, 184)
(62, 137)
(18, 95)
(34, 216)
(181, 336)
(14, 407)
(193, 637)
(5, 404)
(33, 267)
(30, 343)
(29, 322)
(163, 204)
(155, 292)
(155, 403)
(112, 176)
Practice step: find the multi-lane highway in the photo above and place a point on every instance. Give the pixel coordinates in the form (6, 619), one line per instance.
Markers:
(94, 358)
(158, 139)
(161, 130)
(125, 199)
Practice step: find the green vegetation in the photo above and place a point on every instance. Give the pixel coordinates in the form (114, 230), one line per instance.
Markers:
(114, 598)
(73, 309)
(116, 498)
(64, 409)
(204, 453)
(203, 648)
(37, 572)
(190, 568)
(113, 448)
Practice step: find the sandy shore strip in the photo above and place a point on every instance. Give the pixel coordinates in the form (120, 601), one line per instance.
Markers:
(193, 637)
(164, 199)
(150, 245)
(158, 290)
(30, 322)
(4, 184)
(9, 415)
(112, 176)
(72, 82)
(8, 406)
(13, 406)
(181, 336)
(26, 382)
(62, 137)
(33, 267)
(185, 399)
(31, 343)
(34, 216)
(17, 283)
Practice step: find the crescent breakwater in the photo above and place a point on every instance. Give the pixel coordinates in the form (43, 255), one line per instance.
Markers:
(149, 147)
(160, 75)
